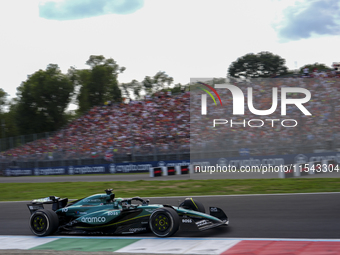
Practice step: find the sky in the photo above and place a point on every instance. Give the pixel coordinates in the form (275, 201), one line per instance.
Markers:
(184, 38)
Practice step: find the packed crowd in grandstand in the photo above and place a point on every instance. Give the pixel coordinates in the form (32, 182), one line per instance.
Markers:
(165, 123)
(156, 125)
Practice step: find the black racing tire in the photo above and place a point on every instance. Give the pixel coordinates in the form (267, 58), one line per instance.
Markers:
(193, 204)
(200, 206)
(44, 222)
(164, 222)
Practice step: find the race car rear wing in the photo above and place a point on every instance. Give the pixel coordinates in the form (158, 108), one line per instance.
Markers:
(56, 202)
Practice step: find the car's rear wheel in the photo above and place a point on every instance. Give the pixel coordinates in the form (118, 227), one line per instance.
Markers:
(164, 222)
(44, 222)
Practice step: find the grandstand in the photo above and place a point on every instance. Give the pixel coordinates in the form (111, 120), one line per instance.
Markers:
(154, 129)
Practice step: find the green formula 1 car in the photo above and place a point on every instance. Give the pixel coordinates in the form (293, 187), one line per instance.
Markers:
(107, 215)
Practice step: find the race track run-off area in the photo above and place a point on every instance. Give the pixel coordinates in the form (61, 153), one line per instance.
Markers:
(130, 245)
(259, 224)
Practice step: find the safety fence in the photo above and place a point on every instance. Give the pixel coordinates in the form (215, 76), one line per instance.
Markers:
(294, 163)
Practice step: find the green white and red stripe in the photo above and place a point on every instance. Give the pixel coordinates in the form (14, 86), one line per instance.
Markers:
(149, 245)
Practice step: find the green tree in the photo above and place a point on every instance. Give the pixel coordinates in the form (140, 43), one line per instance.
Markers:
(162, 80)
(3, 98)
(99, 83)
(156, 83)
(263, 64)
(10, 128)
(135, 87)
(319, 67)
(42, 100)
(177, 88)
(148, 85)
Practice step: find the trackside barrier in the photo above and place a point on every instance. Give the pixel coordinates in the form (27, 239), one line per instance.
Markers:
(74, 167)
(169, 170)
(183, 169)
(156, 171)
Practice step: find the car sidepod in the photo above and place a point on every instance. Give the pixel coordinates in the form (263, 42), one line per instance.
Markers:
(108, 220)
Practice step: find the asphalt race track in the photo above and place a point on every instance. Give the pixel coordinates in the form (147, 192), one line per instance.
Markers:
(251, 216)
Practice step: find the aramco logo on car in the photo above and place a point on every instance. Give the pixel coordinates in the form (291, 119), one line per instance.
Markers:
(93, 219)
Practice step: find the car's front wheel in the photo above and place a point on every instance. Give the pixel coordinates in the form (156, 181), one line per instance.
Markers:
(193, 204)
(164, 222)
(44, 222)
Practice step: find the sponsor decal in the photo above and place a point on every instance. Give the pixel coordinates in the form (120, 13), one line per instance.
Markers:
(186, 220)
(301, 159)
(93, 219)
(83, 169)
(64, 210)
(222, 162)
(112, 168)
(42, 200)
(35, 207)
(202, 223)
(18, 172)
(213, 209)
(92, 200)
(49, 171)
(149, 210)
(80, 213)
(70, 170)
(183, 163)
(113, 213)
(161, 163)
(89, 169)
(133, 167)
(333, 157)
(136, 229)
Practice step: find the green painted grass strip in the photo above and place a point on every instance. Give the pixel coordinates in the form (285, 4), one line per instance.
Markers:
(88, 245)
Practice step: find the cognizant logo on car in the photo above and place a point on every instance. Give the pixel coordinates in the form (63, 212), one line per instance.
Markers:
(93, 219)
